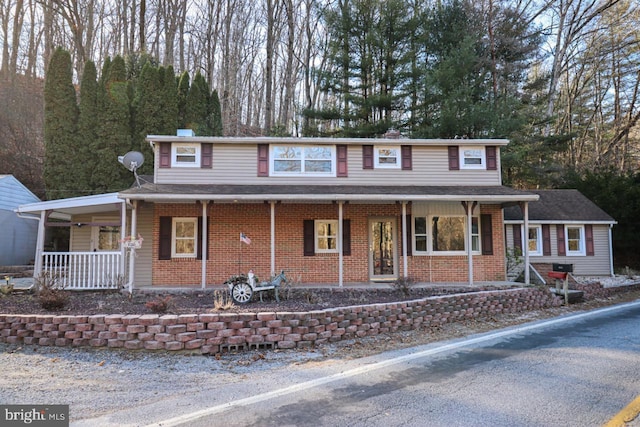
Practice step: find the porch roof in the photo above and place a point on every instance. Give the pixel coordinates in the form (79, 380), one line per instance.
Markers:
(295, 193)
(62, 208)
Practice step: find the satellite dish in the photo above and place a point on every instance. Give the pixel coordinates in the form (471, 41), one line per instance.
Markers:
(132, 161)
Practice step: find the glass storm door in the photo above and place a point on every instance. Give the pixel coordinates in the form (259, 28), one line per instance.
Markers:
(382, 251)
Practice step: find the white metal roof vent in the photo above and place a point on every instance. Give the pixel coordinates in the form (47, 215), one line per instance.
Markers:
(186, 132)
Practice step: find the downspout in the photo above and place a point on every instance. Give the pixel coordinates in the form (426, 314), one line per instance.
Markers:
(205, 251)
(469, 207)
(404, 240)
(611, 250)
(525, 245)
(132, 251)
(273, 238)
(340, 254)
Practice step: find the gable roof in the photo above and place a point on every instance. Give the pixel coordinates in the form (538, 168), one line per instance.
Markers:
(560, 206)
(14, 193)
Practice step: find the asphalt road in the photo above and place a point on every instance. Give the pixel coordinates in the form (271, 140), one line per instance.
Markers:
(577, 370)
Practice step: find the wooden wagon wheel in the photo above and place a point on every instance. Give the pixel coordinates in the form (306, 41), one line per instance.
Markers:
(241, 293)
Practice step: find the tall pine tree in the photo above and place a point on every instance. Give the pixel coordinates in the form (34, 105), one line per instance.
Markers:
(87, 126)
(114, 132)
(60, 127)
(197, 108)
(148, 112)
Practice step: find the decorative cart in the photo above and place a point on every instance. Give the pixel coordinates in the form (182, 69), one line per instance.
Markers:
(243, 287)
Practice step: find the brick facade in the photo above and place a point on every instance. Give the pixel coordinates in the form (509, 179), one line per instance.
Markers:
(228, 256)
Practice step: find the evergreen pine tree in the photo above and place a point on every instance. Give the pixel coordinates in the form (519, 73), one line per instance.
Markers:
(182, 95)
(215, 114)
(114, 134)
(169, 102)
(60, 126)
(87, 125)
(198, 106)
(148, 112)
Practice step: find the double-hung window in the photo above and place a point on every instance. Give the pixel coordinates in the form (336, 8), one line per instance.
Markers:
(472, 158)
(326, 236)
(387, 157)
(185, 155)
(183, 239)
(316, 160)
(534, 240)
(575, 240)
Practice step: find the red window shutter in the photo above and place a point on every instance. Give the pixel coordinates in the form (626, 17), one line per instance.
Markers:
(263, 159)
(588, 231)
(346, 237)
(165, 155)
(407, 162)
(454, 161)
(408, 236)
(517, 236)
(367, 157)
(546, 240)
(164, 249)
(341, 156)
(206, 156)
(486, 230)
(562, 251)
(492, 158)
(309, 246)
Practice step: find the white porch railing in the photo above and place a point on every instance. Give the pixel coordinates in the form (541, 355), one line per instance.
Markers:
(85, 270)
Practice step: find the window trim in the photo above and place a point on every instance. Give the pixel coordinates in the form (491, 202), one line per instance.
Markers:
(197, 155)
(376, 157)
(429, 236)
(302, 172)
(317, 237)
(174, 221)
(483, 157)
(582, 242)
(539, 240)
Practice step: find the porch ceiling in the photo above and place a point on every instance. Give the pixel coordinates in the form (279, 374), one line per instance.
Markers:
(317, 193)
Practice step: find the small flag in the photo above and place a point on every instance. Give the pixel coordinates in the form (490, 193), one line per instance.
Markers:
(245, 239)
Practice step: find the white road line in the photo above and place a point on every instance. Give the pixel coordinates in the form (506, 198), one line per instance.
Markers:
(182, 419)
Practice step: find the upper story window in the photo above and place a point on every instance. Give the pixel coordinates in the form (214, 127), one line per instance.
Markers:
(387, 157)
(472, 158)
(575, 241)
(317, 160)
(185, 155)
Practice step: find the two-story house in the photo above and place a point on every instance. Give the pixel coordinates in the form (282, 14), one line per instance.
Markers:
(326, 210)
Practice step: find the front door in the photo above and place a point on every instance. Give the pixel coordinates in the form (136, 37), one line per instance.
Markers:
(382, 250)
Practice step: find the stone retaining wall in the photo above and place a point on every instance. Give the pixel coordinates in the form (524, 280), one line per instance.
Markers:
(212, 333)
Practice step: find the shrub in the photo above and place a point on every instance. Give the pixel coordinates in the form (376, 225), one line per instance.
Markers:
(50, 291)
(160, 304)
(403, 285)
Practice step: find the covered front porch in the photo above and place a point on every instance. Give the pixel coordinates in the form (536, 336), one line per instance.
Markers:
(102, 263)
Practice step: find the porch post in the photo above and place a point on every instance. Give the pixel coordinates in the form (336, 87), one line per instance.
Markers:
(340, 255)
(469, 207)
(272, 205)
(205, 250)
(37, 270)
(133, 234)
(404, 240)
(525, 244)
(123, 235)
